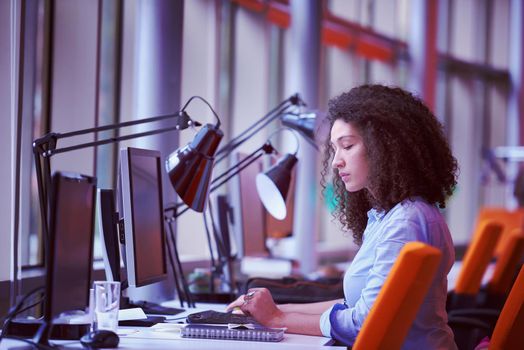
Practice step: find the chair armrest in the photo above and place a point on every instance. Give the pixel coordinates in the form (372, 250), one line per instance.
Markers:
(489, 316)
(466, 322)
(475, 312)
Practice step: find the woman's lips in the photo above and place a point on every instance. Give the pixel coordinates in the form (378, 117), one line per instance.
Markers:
(344, 177)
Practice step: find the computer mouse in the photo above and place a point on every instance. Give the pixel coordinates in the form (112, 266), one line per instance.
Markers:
(100, 339)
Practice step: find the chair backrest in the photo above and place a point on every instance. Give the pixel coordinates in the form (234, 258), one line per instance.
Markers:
(509, 330)
(507, 261)
(478, 256)
(511, 219)
(399, 300)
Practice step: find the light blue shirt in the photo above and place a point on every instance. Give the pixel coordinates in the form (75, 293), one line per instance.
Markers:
(384, 237)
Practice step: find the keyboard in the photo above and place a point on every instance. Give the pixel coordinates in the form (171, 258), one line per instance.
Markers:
(156, 309)
(216, 317)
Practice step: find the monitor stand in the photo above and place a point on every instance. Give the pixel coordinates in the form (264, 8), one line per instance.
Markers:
(28, 327)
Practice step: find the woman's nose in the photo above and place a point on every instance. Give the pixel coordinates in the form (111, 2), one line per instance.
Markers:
(337, 162)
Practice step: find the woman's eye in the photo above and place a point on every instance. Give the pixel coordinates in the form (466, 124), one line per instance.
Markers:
(348, 147)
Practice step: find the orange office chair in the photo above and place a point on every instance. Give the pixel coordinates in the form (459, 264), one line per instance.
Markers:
(503, 276)
(479, 254)
(397, 304)
(508, 333)
(511, 219)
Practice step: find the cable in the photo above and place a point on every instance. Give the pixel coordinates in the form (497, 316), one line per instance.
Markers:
(293, 132)
(17, 309)
(22, 301)
(30, 306)
(207, 103)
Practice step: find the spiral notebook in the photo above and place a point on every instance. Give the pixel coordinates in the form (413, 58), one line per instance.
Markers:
(257, 333)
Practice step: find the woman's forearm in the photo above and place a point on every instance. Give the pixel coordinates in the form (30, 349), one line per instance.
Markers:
(310, 308)
(299, 323)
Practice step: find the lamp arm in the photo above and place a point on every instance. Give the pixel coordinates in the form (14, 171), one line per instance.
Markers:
(233, 145)
(110, 140)
(238, 170)
(293, 100)
(267, 148)
(46, 145)
(184, 121)
(276, 111)
(43, 177)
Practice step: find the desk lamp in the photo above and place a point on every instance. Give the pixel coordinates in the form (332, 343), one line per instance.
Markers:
(197, 156)
(289, 112)
(279, 173)
(272, 186)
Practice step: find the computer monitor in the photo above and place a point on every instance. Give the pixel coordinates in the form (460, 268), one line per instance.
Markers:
(223, 215)
(113, 239)
(142, 213)
(108, 229)
(71, 236)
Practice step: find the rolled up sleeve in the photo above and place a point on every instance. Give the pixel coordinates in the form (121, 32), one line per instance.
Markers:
(325, 326)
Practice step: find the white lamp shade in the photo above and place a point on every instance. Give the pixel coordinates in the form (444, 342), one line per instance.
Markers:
(271, 197)
(273, 186)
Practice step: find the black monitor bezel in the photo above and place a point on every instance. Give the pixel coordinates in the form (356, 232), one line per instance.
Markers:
(58, 178)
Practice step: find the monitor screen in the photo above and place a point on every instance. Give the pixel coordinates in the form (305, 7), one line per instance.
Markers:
(70, 243)
(141, 191)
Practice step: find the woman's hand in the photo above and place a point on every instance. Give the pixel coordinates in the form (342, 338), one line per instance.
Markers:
(235, 305)
(259, 304)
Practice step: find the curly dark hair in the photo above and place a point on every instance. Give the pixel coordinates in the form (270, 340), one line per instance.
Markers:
(407, 152)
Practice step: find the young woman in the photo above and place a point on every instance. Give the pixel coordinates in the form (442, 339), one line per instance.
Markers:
(392, 169)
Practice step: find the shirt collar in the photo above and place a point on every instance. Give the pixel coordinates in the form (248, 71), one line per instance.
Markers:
(375, 214)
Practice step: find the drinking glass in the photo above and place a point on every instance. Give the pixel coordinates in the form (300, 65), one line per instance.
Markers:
(106, 305)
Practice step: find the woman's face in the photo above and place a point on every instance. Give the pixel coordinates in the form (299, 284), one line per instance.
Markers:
(349, 156)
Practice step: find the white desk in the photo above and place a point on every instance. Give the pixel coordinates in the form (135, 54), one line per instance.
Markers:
(148, 339)
(290, 342)
(167, 336)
